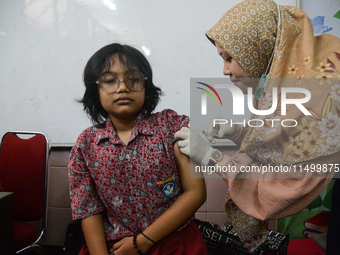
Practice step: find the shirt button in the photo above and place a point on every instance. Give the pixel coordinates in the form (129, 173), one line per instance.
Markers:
(128, 156)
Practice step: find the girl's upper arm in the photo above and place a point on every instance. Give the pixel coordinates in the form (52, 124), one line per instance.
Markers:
(190, 180)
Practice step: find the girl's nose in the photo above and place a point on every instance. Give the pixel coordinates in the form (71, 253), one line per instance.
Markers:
(122, 87)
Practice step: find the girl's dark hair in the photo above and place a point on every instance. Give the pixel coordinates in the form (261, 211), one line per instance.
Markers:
(100, 63)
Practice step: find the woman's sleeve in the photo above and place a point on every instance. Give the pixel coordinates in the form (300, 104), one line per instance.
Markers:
(84, 198)
(279, 194)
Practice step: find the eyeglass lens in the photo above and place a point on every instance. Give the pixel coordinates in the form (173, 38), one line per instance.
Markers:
(133, 81)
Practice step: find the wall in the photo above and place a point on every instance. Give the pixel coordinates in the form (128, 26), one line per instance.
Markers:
(46, 43)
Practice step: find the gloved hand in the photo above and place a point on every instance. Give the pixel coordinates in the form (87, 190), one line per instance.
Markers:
(199, 150)
(222, 131)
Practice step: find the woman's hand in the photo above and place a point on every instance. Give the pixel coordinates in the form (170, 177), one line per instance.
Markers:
(218, 130)
(193, 145)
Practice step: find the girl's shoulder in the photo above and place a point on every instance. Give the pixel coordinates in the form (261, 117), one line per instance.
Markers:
(169, 119)
(91, 133)
(168, 116)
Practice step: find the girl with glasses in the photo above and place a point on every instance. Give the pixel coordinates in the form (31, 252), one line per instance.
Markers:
(129, 183)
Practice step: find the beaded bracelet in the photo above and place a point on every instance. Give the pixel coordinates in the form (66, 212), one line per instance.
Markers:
(148, 238)
(136, 246)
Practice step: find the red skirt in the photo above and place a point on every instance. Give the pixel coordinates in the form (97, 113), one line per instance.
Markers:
(188, 241)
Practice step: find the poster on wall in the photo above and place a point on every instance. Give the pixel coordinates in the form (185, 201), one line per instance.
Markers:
(324, 15)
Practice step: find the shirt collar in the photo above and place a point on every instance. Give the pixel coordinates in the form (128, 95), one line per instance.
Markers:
(144, 124)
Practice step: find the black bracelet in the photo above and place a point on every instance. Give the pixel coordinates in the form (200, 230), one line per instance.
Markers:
(136, 246)
(148, 238)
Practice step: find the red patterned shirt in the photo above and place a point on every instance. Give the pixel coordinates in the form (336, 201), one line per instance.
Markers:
(131, 184)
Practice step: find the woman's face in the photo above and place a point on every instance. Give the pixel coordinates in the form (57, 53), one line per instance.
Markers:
(123, 103)
(236, 73)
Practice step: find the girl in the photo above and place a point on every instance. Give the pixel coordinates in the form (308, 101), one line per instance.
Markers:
(129, 183)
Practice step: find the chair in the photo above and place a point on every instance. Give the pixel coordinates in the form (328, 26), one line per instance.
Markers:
(24, 162)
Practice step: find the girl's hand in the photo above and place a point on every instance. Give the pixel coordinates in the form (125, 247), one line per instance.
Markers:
(126, 247)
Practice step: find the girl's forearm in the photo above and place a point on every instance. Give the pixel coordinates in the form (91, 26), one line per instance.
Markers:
(172, 219)
(182, 209)
(93, 229)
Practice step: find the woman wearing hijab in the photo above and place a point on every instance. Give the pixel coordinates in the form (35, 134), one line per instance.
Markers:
(262, 39)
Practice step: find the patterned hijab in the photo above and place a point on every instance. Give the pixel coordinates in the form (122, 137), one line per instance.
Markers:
(251, 32)
(248, 33)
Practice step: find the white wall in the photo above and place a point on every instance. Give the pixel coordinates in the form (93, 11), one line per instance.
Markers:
(44, 45)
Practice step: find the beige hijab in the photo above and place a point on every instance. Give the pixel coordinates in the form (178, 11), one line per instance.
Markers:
(253, 32)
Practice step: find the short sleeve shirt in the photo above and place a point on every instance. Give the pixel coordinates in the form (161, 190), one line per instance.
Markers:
(133, 184)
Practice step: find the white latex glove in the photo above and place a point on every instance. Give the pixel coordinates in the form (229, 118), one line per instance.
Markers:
(193, 145)
(222, 131)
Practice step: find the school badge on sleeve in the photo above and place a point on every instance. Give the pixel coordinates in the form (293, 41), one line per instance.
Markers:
(169, 188)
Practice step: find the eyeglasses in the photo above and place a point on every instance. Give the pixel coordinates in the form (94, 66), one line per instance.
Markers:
(110, 83)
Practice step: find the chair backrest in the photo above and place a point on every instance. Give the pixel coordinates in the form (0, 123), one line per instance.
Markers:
(24, 170)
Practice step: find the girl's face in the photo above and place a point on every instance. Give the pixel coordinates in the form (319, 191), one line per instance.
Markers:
(237, 75)
(124, 103)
